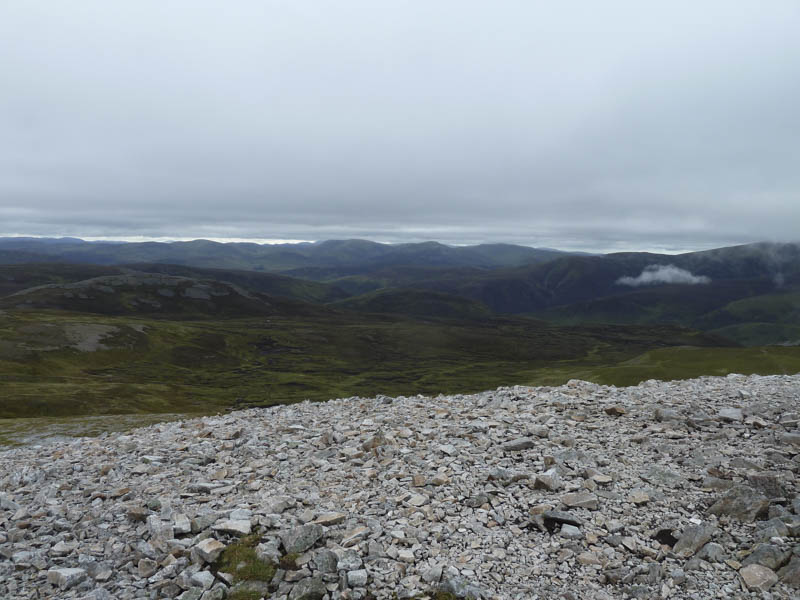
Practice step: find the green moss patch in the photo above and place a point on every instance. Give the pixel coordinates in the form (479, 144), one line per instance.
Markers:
(240, 560)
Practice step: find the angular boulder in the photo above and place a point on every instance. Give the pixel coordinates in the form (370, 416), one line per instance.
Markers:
(741, 502)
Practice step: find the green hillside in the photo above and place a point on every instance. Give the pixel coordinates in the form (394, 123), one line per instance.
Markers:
(67, 363)
(162, 296)
(678, 304)
(255, 281)
(419, 303)
(155, 337)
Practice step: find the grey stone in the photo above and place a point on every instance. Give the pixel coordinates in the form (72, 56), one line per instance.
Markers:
(758, 577)
(432, 575)
(790, 439)
(66, 578)
(279, 504)
(519, 444)
(730, 415)
(209, 549)
(349, 561)
(330, 519)
(559, 516)
(580, 500)
(233, 526)
(301, 538)
(203, 579)
(181, 525)
(147, 567)
(460, 587)
(63, 548)
(477, 500)
(311, 588)
(6, 503)
(218, 592)
(571, 532)
(768, 555)
(659, 475)
(99, 571)
(712, 552)
(353, 536)
(767, 483)
(741, 502)
(693, 538)
(191, 594)
(326, 561)
(549, 480)
(790, 574)
(357, 578)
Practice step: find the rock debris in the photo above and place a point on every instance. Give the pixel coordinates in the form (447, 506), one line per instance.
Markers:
(684, 489)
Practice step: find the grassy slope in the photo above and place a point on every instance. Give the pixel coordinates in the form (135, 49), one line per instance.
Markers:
(680, 304)
(141, 293)
(419, 303)
(739, 310)
(266, 283)
(181, 366)
(16, 277)
(682, 363)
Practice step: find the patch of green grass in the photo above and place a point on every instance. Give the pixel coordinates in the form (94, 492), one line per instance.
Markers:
(244, 594)
(240, 560)
(761, 334)
(678, 363)
(288, 562)
(433, 595)
(423, 303)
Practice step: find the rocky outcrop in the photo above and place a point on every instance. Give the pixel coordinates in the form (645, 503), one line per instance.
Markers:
(684, 489)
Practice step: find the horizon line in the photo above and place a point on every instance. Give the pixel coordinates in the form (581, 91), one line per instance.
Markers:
(135, 239)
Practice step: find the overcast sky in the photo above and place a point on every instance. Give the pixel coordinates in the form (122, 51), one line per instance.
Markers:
(581, 125)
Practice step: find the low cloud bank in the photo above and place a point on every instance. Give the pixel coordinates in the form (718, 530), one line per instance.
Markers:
(656, 274)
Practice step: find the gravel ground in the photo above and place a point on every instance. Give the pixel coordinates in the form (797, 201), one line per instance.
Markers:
(683, 489)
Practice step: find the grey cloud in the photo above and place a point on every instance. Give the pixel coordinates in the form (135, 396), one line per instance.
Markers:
(609, 127)
(657, 274)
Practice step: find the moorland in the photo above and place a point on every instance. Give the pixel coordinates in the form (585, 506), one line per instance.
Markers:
(120, 328)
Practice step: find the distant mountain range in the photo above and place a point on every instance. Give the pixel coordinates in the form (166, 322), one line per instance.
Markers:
(749, 294)
(332, 254)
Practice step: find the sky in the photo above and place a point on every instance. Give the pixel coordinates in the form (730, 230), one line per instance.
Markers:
(599, 126)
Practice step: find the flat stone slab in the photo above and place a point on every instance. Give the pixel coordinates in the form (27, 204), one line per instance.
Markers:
(66, 578)
(758, 577)
(519, 444)
(233, 526)
(209, 549)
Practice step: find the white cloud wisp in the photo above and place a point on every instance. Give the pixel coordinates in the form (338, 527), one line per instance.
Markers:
(658, 274)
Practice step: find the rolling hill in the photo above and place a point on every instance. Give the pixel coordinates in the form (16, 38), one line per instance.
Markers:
(85, 338)
(417, 303)
(142, 294)
(358, 254)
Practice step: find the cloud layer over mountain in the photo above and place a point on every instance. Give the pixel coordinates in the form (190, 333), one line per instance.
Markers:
(579, 125)
(657, 274)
